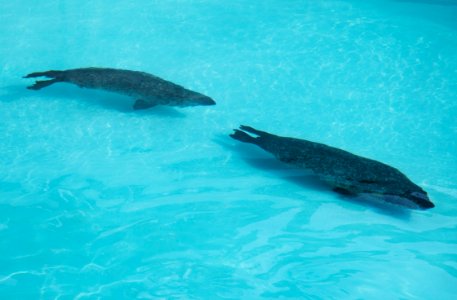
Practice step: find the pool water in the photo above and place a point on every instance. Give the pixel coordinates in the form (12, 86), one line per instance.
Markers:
(98, 201)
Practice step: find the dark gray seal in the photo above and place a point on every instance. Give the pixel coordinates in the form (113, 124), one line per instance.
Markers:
(149, 90)
(347, 173)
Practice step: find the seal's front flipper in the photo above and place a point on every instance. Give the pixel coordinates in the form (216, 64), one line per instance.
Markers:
(343, 191)
(142, 104)
(39, 84)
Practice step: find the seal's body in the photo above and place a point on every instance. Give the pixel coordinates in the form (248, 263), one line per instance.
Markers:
(347, 173)
(149, 90)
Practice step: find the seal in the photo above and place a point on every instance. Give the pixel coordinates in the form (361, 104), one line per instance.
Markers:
(347, 173)
(149, 90)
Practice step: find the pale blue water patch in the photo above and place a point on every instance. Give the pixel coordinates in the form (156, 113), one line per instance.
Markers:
(98, 201)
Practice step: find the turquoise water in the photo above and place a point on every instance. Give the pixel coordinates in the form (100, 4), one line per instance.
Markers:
(98, 201)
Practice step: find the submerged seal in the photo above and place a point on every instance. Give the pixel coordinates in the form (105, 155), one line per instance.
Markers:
(149, 90)
(347, 173)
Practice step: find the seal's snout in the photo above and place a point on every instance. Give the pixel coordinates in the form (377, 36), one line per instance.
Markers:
(421, 199)
(204, 100)
(210, 101)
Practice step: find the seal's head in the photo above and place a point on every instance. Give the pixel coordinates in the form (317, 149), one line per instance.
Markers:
(411, 199)
(194, 99)
(201, 100)
(399, 192)
(419, 198)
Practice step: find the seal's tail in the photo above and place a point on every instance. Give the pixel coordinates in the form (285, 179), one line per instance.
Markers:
(242, 136)
(57, 76)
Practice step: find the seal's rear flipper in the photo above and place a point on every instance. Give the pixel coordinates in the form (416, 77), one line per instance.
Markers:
(39, 84)
(142, 104)
(254, 131)
(49, 74)
(243, 137)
